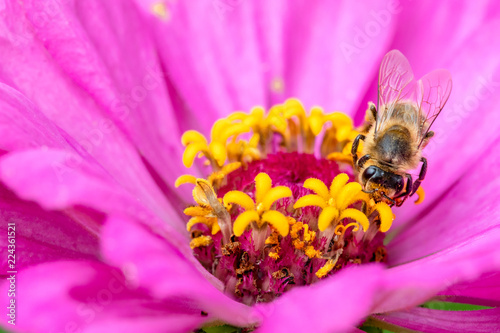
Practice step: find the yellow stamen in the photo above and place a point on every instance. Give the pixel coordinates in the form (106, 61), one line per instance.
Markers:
(197, 211)
(340, 157)
(385, 214)
(275, 194)
(328, 216)
(334, 201)
(185, 179)
(347, 195)
(318, 187)
(340, 229)
(309, 235)
(222, 173)
(243, 220)
(357, 216)
(310, 200)
(323, 271)
(200, 241)
(277, 220)
(210, 222)
(263, 184)
(260, 212)
(338, 182)
(191, 152)
(421, 195)
(316, 120)
(239, 198)
(218, 152)
(192, 136)
(342, 124)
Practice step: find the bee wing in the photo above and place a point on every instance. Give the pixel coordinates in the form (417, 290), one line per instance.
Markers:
(434, 91)
(396, 83)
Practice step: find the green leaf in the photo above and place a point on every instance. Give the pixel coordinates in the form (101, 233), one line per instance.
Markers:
(450, 306)
(370, 329)
(221, 329)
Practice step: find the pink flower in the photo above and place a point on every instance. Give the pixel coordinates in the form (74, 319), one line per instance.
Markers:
(95, 96)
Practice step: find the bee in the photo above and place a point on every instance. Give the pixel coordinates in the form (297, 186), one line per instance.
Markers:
(398, 129)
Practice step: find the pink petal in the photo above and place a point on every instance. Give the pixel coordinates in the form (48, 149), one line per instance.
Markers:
(413, 283)
(483, 291)
(151, 262)
(439, 321)
(42, 236)
(89, 296)
(470, 207)
(438, 32)
(333, 305)
(34, 72)
(243, 48)
(431, 23)
(213, 59)
(332, 50)
(106, 49)
(59, 180)
(23, 126)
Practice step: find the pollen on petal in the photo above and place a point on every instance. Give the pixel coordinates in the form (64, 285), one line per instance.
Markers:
(160, 10)
(277, 85)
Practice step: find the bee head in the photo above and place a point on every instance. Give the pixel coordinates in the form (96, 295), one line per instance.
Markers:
(374, 178)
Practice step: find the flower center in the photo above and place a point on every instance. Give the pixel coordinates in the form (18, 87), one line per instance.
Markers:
(281, 207)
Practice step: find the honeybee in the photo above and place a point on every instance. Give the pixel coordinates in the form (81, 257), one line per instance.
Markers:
(399, 128)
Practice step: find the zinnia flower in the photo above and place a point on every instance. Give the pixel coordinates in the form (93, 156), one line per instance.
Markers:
(95, 97)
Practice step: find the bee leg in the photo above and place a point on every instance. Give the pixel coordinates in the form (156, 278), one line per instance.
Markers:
(363, 160)
(421, 176)
(373, 110)
(392, 201)
(354, 149)
(408, 190)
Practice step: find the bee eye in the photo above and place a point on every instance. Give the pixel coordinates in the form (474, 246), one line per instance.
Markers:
(369, 172)
(400, 184)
